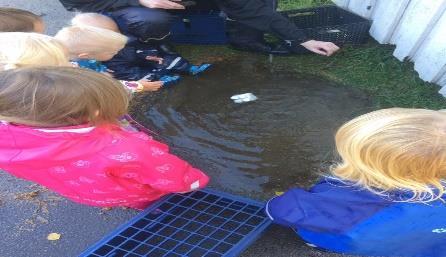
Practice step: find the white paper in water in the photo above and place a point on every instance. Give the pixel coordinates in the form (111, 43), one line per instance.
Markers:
(244, 98)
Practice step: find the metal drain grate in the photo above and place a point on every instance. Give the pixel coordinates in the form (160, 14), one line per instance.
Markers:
(203, 223)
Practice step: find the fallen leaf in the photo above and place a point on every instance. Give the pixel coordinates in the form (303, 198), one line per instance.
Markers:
(27, 195)
(279, 193)
(53, 236)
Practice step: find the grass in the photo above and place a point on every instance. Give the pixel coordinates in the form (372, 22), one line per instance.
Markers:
(293, 4)
(371, 68)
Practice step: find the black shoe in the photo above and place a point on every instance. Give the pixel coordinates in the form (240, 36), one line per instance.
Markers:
(258, 47)
(292, 47)
(244, 38)
(281, 49)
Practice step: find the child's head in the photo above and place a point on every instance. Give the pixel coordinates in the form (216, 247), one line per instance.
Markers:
(19, 49)
(87, 42)
(60, 96)
(395, 149)
(17, 20)
(95, 20)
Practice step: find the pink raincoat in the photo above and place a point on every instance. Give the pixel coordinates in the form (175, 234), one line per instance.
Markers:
(101, 166)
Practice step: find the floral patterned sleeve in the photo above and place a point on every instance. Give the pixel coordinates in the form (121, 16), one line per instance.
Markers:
(145, 161)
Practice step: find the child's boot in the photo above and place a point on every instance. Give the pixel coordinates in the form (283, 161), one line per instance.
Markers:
(169, 80)
(197, 69)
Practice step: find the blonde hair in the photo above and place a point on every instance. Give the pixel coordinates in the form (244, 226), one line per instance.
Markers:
(60, 96)
(395, 150)
(17, 20)
(89, 39)
(95, 20)
(19, 49)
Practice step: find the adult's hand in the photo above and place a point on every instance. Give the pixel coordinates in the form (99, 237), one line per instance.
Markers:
(162, 4)
(320, 47)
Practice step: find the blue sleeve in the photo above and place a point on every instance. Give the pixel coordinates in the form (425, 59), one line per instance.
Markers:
(325, 208)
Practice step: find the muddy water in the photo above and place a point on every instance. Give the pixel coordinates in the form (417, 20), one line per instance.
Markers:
(283, 139)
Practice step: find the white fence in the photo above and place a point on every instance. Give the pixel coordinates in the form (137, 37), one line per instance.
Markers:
(416, 27)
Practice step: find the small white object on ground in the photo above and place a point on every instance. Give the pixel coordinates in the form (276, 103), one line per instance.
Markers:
(53, 236)
(244, 98)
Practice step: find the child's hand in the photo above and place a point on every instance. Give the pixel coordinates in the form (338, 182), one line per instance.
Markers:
(155, 59)
(151, 85)
(162, 4)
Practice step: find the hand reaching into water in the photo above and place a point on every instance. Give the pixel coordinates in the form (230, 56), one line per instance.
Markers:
(162, 4)
(151, 85)
(320, 47)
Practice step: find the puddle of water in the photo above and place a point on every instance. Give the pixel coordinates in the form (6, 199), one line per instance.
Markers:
(276, 142)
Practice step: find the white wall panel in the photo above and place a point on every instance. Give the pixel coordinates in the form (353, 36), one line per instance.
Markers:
(386, 18)
(416, 24)
(430, 59)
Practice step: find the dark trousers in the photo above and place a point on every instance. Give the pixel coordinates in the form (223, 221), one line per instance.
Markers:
(143, 23)
(152, 24)
(238, 30)
(249, 19)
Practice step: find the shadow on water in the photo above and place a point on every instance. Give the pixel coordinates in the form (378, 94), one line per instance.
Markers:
(283, 139)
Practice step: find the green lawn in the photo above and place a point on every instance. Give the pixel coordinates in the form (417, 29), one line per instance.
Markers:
(371, 68)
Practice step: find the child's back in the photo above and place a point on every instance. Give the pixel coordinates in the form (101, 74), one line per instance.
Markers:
(84, 156)
(343, 218)
(386, 198)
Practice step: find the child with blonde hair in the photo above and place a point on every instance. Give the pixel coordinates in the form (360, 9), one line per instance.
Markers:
(19, 49)
(90, 46)
(17, 20)
(87, 42)
(59, 128)
(386, 196)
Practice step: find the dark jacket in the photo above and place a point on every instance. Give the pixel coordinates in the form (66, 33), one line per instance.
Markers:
(257, 14)
(97, 5)
(131, 64)
(128, 65)
(261, 15)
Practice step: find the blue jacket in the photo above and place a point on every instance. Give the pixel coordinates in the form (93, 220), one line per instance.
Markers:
(346, 219)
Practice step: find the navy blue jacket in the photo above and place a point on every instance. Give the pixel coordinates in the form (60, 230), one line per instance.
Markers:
(130, 63)
(343, 218)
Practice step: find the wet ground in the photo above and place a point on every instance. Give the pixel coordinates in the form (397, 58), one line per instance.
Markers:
(283, 139)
